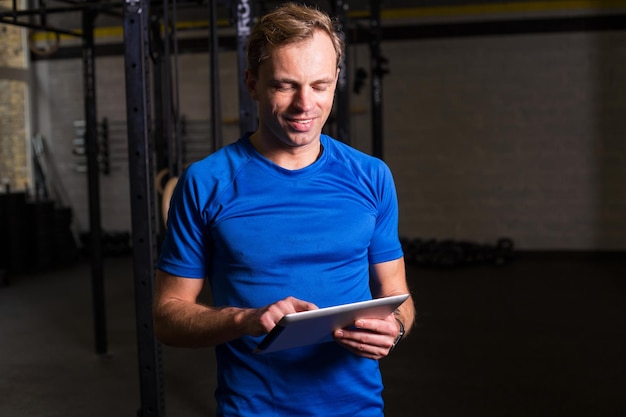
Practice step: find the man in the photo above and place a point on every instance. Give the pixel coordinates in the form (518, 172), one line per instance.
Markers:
(285, 220)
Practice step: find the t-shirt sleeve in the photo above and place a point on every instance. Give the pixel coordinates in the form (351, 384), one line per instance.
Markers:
(185, 248)
(385, 245)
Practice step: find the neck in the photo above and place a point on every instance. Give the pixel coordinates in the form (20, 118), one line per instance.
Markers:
(292, 158)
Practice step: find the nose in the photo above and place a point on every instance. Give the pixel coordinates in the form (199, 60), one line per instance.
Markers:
(303, 99)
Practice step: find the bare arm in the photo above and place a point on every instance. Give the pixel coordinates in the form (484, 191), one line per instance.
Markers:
(390, 279)
(179, 320)
(373, 338)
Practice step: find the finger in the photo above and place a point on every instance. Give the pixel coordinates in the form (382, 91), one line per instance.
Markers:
(293, 305)
(301, 305)
(363, 349)
(273, 313)
(364, 341)
(387, 327)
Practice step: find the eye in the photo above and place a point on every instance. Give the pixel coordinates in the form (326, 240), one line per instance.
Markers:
(321, 86)
(283, 87)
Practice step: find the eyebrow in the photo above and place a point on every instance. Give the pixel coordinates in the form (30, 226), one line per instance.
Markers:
(291, 81)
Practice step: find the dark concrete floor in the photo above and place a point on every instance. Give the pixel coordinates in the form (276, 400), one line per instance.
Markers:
(541, 336)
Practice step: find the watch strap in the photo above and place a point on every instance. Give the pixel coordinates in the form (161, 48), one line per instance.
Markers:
(400, 335)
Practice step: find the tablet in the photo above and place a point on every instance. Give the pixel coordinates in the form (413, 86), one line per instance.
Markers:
(316, 326)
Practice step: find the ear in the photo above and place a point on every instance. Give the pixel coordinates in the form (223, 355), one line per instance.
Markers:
(251, 83)
(337, 76)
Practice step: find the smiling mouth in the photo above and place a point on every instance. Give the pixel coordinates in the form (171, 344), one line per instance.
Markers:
(301, 123)
(304, 121)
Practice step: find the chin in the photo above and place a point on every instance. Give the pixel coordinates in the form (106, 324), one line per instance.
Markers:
(301, 139)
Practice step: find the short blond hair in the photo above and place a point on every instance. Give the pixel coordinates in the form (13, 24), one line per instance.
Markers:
(289, 23)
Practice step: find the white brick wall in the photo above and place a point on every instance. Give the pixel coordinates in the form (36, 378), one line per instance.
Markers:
(517, 136)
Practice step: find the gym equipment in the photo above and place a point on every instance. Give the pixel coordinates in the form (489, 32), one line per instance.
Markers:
(449, 253)
(93, 181)
(216, 105)
(13, 223)
(143, 209)
(342, 93)
(168, 190)
(111, 146)
(242, 12)
(378, 70)
(48, 48)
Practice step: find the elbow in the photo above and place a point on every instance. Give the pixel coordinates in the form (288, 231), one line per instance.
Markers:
(160, 327)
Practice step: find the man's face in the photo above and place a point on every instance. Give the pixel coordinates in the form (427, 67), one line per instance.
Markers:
(295, 89)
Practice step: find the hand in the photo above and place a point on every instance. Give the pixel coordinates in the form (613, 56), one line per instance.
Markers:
(262, 320)
(371, 338)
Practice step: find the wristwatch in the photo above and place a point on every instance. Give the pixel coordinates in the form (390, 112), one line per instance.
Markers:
(402, 331)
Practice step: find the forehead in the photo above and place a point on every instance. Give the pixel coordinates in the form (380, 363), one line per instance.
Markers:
(314, 54)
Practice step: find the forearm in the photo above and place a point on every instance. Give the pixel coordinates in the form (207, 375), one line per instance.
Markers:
(184, 324)
(389, 279)
(179, 320)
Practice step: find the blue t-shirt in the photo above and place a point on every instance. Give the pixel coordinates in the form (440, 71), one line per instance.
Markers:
(260, 233)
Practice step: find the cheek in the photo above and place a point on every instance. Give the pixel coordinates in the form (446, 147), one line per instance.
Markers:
(277, 102)
(270, 107)
(327, 103)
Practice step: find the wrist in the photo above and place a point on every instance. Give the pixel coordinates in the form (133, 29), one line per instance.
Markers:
(401, 332)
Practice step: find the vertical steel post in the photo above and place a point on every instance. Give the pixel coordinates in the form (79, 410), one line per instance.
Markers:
(247, 106)
(216, 105)
(140, 160)
(163, 146)
(342, 101)
(377, 73)
(93, 181)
